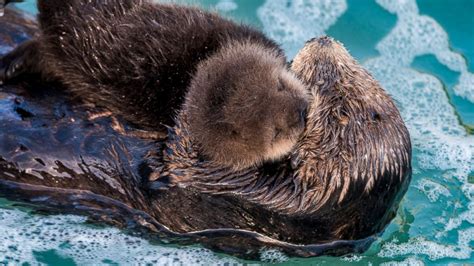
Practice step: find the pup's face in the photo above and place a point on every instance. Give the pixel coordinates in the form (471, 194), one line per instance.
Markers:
(264, 116)
(246, 110)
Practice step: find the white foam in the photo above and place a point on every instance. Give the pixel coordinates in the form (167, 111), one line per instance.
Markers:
(71, 238)
(443, 143)
(468, 216)
(352, 258)
(292, 23)
(465, 87)
(434, 251)
(407, 262)
(432, 189)
(272, 256)
(416, 35)
(226, 5)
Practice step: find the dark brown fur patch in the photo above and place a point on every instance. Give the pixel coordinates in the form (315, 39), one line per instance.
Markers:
(138, 59)
(134, 57)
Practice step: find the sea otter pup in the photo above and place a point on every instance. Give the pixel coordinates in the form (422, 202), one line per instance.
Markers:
(140, 59)
(249, 111)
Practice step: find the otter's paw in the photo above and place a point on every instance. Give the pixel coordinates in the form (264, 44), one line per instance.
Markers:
(11, 67)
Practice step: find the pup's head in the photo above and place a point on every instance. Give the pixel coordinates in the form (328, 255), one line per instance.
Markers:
(244, 107)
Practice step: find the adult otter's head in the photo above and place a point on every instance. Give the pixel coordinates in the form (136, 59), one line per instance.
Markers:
(244, 106)
(355, 141)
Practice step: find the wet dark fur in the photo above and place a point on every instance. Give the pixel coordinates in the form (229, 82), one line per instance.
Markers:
(138, 60)
(131, 56)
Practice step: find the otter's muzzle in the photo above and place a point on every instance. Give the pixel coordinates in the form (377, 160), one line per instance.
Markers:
(323, 41)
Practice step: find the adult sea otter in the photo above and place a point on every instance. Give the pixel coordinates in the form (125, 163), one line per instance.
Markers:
(339, 188)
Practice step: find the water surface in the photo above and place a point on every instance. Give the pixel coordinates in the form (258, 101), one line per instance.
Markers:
(421, 51)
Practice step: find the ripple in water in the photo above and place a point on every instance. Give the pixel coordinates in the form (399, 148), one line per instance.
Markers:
(226, 5)
(292, 23)
(71, 238)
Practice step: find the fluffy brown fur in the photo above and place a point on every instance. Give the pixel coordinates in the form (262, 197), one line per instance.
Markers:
(244, 107)
(138, 59)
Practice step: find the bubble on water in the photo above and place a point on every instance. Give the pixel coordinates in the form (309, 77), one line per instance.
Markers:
(467, 216)
(434, 251)
(465, 87)
(407, 262)
(416, 35)
(272, 256)
(292, 23)
(226, 5)
(71, 238)
(432, 189)
(352, 258)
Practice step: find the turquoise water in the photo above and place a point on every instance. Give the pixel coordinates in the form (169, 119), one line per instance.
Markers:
(421, 51)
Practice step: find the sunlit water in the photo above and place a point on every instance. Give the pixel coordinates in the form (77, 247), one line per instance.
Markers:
(421, 51)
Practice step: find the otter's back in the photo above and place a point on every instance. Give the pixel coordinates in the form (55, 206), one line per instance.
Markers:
(134, 57)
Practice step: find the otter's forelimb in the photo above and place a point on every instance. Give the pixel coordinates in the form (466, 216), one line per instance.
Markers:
(25, 59)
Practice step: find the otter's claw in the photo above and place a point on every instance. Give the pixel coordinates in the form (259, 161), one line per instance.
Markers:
(158, 185)
(23, 59)
(159, 181)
